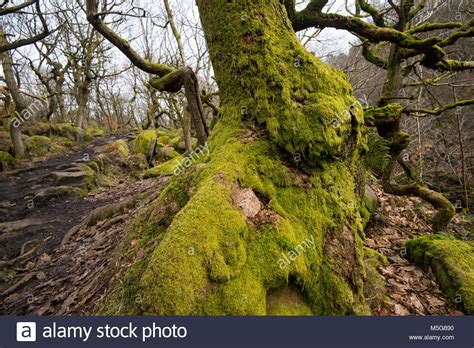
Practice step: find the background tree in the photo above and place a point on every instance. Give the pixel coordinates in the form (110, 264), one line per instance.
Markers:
(394, 29)
(20, 10)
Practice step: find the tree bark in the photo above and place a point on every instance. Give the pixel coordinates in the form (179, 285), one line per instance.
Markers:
(187, 130)
(19, 100)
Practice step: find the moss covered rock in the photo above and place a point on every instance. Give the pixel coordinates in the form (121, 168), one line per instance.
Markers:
(164, 169)
(174, 142)
(66, 130)
(115, 157)
(452, 262)
(164, 140)
(138, 162)
(93, 131)
(37, 145)
(166, 153)
(119, 147)
(144, 142)
(7, 161)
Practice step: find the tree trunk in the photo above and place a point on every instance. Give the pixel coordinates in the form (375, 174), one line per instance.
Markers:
(83, 99)
(387, 119)
(187, 130)
(277, 202)
(462, 154)
(17, 142)
(60, 80)
(20, 102)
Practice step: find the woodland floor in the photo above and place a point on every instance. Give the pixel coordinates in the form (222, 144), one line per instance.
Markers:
(50, 279)
(410, 290)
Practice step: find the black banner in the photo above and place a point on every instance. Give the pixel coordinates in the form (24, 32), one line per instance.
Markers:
(396, 332)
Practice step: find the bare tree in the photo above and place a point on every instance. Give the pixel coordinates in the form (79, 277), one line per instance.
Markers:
(20, 9)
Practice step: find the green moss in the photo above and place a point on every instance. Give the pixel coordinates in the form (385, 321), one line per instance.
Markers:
(39, 128)
(5, 141)
(104, 180)
(120, 147)
(38, 146)
(163, 132)
(93, 131)
(144, 141)
(65, 192)
(47, 146)
(164, 139)
(305, 106)
(94, 166)
(175, 141)
(388, 113)
(60, 144)
(287, 301)
(91, 176)
(115, 160)
(166, 153)
(375, 258)
(164, 169)
(378, 156)
(7, 161)
(66, 130)
(367, 208)
(452, 261)
(374, 285)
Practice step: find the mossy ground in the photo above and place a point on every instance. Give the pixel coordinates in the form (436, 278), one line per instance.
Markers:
(43, 139)
(144, 141)
(167, 146)
(164, 169)
(7, 161)
(452, 262)
(65, 130)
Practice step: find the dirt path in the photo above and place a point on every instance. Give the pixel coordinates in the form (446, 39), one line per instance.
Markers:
(41, 222)
(32, 263)
(71, 279)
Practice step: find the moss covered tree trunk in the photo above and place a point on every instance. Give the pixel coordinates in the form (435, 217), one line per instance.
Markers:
(269, 223)
(387, 117)
(83, 93)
